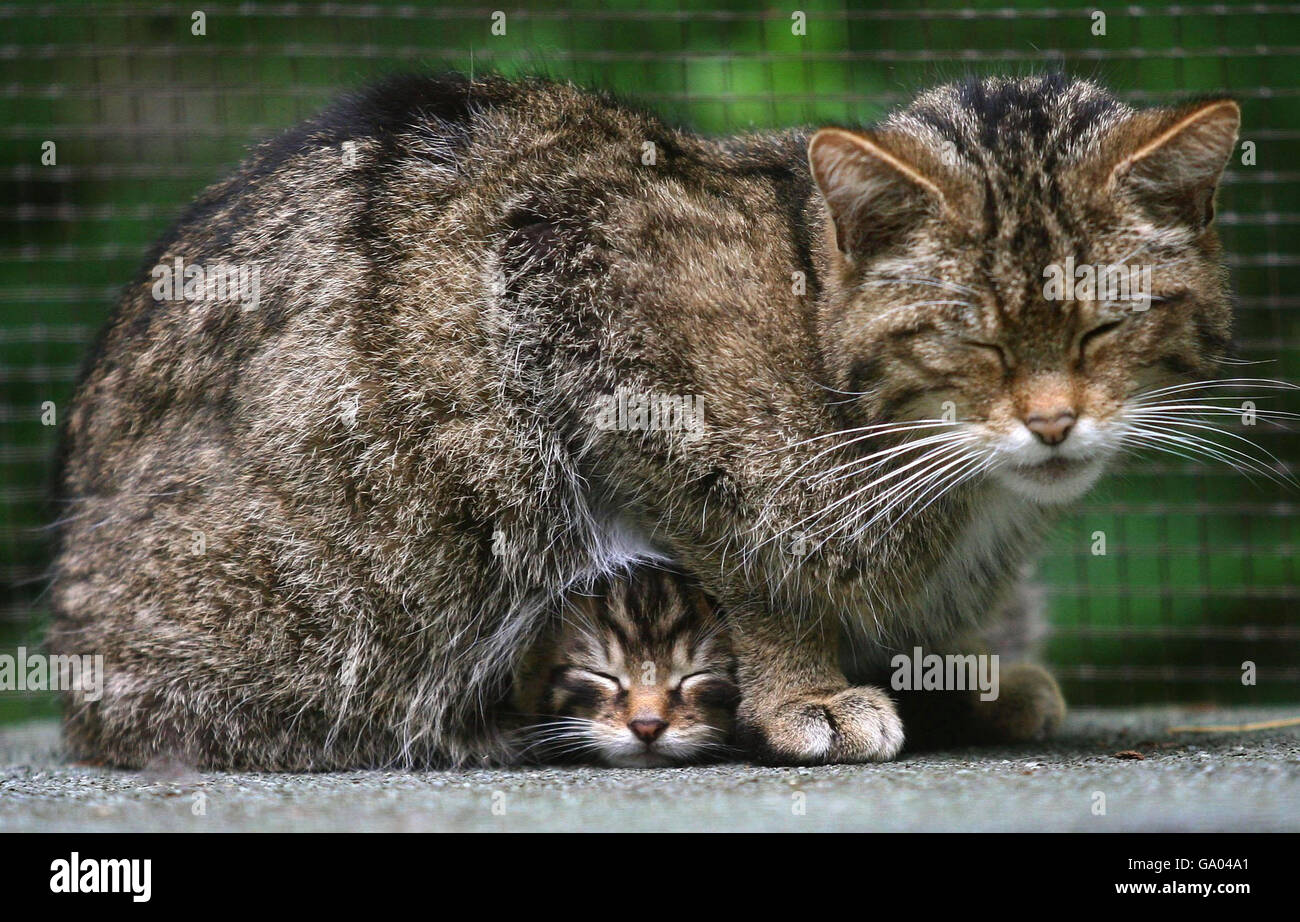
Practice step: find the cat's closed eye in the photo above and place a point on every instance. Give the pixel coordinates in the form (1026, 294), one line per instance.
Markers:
(1097, 332)
(601, 678)
(694, 680)
(991, 350)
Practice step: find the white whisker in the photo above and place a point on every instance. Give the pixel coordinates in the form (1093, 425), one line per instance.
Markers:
(937, 459)
(923, 280)
(1156, 436)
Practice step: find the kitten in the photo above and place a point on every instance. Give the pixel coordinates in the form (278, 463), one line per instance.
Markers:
(638, 673)
(319, 528)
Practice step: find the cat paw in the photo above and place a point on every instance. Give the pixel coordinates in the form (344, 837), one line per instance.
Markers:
(1029, 706)
(854, 725)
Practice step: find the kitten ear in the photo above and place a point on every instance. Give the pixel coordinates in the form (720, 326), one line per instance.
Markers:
(873, 192)
(1176, 158)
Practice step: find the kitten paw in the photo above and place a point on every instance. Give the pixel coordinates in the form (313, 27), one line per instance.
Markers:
(854, 725)
(1029, 706)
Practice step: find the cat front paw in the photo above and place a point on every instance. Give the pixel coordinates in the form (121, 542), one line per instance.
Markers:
(1029, 706)
(853, 725)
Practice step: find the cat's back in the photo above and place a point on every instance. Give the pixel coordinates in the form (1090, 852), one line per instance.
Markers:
(375, 216)
(320, 409)
(372, 262)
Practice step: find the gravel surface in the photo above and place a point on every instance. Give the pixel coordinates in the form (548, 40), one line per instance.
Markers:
(1246, 781)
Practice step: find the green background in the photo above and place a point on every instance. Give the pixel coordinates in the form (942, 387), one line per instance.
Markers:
(1199, 574)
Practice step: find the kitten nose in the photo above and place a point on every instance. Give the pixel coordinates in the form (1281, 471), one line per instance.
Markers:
(1051, 428)
(648, 730)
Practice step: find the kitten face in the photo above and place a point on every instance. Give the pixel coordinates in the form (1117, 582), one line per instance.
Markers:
(641, 676)
(953, 219)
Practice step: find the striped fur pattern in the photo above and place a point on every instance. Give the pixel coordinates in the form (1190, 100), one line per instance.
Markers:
(321, 533)
(637, 673)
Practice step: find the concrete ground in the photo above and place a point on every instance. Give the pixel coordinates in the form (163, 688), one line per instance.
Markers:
(1088, 779)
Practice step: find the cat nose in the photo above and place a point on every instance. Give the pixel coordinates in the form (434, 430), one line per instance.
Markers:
(647, 730)
(1051, 428)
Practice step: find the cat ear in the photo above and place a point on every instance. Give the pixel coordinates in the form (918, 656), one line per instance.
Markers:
(873, 191)
(1176, 158)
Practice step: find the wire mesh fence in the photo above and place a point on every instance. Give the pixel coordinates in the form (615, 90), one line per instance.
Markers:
(114, 115)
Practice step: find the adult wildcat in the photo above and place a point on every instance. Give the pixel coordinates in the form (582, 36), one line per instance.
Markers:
(319, 532)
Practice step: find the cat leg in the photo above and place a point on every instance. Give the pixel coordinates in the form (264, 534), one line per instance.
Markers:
(1028, 706)
(796, 706)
